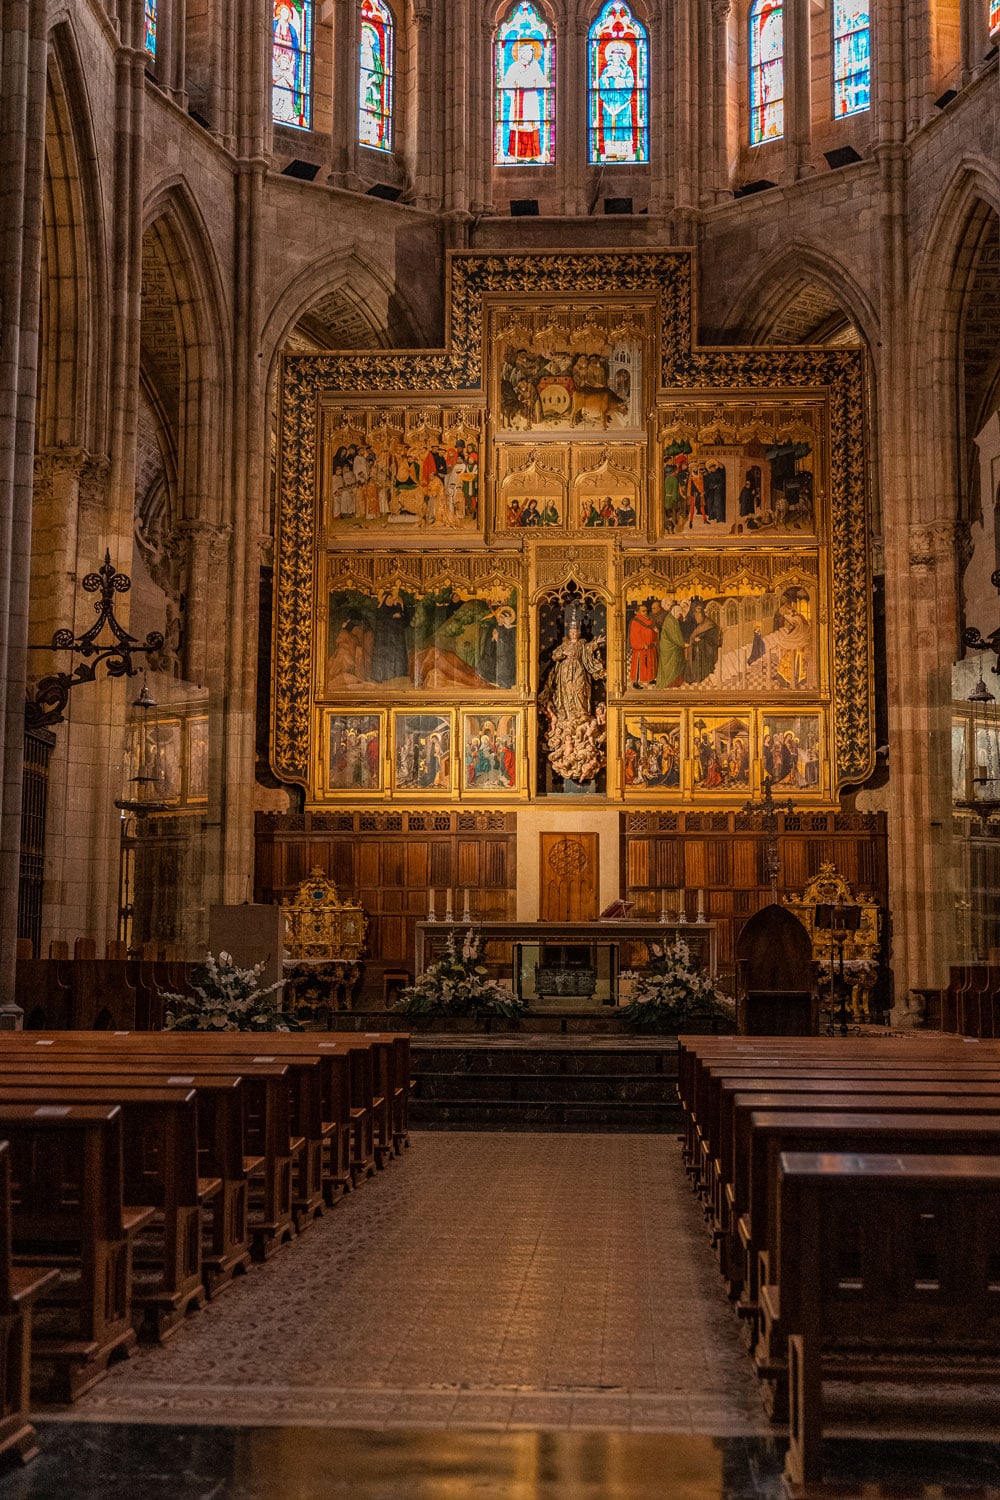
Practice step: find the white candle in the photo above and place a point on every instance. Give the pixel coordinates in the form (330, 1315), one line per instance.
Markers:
(447, 905)
(431, 917)
(682, 905)
(466, 913)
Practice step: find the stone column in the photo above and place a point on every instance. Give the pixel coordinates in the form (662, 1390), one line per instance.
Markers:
(343, 132)
(798, 90)
(720, 82)
(425, 161)
(248, 494)
(22, 146)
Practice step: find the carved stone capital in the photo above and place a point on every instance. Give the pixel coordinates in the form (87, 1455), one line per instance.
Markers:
(62, 466)
(931, 543)
(721, 9)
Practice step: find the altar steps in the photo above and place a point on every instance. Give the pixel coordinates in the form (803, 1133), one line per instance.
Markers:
(474, 1083)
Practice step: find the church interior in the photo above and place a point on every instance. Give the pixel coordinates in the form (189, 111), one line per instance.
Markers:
(500, 663)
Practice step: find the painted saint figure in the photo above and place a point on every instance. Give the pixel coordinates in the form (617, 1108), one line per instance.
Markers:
(289, 54)
(615, 88)
(524, 84)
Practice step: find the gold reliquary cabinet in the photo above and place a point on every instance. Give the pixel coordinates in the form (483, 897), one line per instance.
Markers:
(572, 555)
(860, 945)
(321, 927)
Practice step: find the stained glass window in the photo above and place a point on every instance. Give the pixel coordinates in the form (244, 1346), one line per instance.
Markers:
(525, 76)
(376, 76)
(618, 86)
(994, 16)
(767, 72)
(852, 57)
(150, 42)
(291, 63)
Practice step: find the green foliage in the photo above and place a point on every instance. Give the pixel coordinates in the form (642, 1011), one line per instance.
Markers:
(459, 985)
(227, 998)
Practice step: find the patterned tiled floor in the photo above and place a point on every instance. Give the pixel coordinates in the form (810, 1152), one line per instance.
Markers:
(505, 1281)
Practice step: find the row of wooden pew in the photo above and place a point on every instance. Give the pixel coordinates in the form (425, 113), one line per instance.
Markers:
(85, 993)
(852, 1190)
(143, 1171)
(970, 1005)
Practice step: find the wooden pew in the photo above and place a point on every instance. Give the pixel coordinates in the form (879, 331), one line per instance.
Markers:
(220, 1169)
(20, 1286)
(713, 1131)
(267, 1129)
(775, 1131)
(883, 1269)
(69, 1213)
(160, 1167)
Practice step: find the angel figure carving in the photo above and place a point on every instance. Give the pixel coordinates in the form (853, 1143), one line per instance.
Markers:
(576, 734)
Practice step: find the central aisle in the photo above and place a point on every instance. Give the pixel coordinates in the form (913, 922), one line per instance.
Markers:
(536, 1280)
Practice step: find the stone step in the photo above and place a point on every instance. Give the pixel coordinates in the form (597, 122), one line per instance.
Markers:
(547, 1062)
(632, 1119)
(562, 1087)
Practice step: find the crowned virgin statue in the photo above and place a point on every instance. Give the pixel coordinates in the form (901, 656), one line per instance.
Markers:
(576, 736)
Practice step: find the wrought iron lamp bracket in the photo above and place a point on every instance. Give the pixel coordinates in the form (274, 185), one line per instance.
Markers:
(48, 705)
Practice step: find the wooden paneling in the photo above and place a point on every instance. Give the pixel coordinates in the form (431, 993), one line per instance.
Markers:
(723, 854)
(390, 861)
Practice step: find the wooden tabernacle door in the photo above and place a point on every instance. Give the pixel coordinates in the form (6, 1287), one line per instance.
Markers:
(568, 880)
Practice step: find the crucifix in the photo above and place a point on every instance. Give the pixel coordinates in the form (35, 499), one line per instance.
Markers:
(769, 810)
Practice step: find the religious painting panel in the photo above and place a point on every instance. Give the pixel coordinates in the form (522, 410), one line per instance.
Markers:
(653, 753)
(422, 628)
(572, 695)
(607, 487)
(790, 751)
(197, 774)
(716, 623)
(562, 369)
(491, 753)
(291, 63)
(531, 487)
(720, 752)
(399, 471)
(744, 472)
(354, 752)
(423, 761)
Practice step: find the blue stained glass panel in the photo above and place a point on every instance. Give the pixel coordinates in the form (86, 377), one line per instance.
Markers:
(150, 38)
(852, 57)
(291, 64)
(767, 72)
(618, 87)
(524, 89)
(375, 82)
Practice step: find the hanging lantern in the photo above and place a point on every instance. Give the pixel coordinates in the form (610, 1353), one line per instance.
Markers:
(143, 785)
(985, 748)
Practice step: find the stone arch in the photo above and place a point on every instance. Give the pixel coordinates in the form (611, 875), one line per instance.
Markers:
(341, 302)
(184, 339)
(73, 348)
(804, 296)
(944, 278)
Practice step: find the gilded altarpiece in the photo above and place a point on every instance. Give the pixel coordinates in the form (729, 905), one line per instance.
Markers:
(572, 554)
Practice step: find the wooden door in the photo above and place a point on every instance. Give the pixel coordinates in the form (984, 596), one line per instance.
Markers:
(568, 877)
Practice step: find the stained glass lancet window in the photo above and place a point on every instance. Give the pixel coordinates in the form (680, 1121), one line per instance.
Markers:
(376, 76)
(291, 63)
(852, 57)
(767, 72)
(525, 76)
(618, 86)
(150, 41)
(994, 16)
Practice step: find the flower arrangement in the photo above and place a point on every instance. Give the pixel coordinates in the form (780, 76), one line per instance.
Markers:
(672, 993)
(227, 998)
(460, 985)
